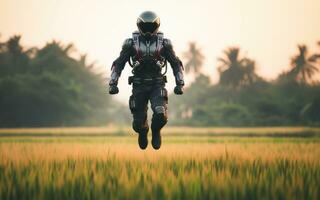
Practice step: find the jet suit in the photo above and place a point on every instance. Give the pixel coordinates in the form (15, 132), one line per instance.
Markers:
(148, 56)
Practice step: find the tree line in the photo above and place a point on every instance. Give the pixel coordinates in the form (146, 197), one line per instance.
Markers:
(243, 98)
(47, 87)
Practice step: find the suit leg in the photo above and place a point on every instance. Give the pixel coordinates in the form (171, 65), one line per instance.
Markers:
(138, 104)
(159, 102)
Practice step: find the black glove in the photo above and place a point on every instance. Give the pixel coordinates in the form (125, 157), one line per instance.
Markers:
(113, 89)
(178, 90)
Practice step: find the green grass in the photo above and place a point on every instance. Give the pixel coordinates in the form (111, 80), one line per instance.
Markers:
(204, 166)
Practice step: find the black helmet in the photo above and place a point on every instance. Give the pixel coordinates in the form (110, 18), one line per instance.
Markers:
(148, 23)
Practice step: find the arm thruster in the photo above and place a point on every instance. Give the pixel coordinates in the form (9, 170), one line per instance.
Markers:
(179, 78)
(114, 77)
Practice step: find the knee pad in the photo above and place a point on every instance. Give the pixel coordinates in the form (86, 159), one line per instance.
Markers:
(160, 110)
(160, 114)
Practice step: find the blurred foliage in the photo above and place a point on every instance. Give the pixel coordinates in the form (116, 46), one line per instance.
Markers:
(194, 59)
(235, 71)
(48, 87)
(242, 98)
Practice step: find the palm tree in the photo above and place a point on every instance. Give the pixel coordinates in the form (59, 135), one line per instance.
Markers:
(194, 58)
(235, 71)
(302, 66)
(315, 57)
(249, 68)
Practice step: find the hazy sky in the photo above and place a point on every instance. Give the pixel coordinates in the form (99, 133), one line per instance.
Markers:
(266, 30)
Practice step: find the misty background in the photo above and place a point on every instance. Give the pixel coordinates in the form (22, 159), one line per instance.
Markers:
(243, 63)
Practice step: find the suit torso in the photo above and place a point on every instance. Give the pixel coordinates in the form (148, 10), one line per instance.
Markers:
(147, 51)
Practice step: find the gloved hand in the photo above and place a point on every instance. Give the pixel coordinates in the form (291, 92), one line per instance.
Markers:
(113, 89)
(178, 90)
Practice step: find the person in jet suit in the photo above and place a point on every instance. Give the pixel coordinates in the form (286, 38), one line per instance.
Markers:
(147, 53)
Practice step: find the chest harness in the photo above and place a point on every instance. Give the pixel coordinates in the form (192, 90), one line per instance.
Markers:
(156, 57)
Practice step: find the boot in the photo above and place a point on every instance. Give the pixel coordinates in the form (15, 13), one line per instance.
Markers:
(143, 139)
(156, 139)
(158, 121)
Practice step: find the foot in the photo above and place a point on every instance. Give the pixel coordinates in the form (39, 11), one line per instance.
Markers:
(156, 139)
(143, 140)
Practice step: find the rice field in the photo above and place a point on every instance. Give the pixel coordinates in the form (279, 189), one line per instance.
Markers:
(193, 163)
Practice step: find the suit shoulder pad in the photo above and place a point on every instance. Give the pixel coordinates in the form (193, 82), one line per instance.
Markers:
(167, 42)
(127, 43)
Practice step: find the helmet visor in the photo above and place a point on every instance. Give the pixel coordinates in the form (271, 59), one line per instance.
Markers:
(148, 27)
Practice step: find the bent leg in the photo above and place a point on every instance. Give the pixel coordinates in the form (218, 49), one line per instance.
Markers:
(159, 101)
(138, 107)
